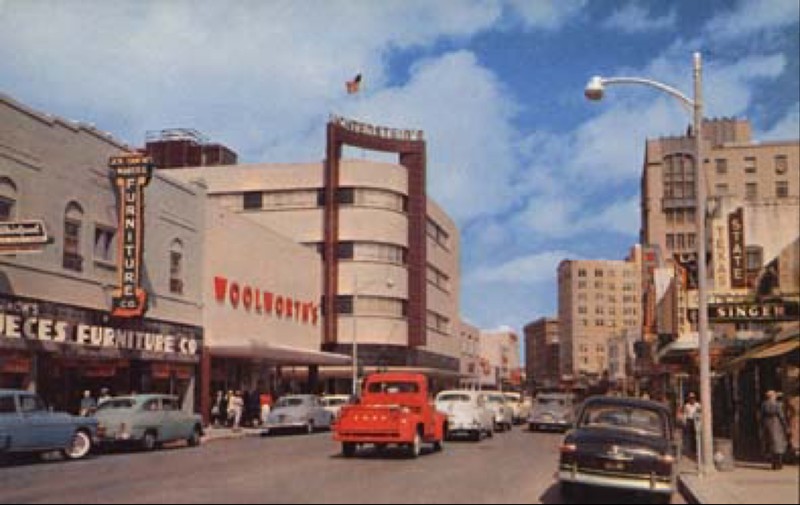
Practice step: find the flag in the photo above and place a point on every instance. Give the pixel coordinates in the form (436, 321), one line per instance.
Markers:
(354, 85)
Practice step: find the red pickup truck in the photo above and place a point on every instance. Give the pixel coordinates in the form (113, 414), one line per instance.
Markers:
(394, 409)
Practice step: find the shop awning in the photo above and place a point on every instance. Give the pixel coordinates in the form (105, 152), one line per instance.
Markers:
(279, 355)
(770, 350)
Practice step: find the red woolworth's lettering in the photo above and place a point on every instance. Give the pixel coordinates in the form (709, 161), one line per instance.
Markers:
(269, 300)
(220, 288)
(266, 302)
(247, 297)
(235, 295)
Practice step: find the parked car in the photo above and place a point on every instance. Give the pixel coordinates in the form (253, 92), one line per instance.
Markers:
(503, 414)
(520, 406)
(297, 412)
(27, 426)
(467, 413)
(148, 420)
(394, 409)
(622, 443)
(552, 411)
(334, 404)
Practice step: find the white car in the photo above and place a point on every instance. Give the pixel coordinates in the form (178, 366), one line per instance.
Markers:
(467, 413)
(503, 414)
(520, 406)
(334, 404)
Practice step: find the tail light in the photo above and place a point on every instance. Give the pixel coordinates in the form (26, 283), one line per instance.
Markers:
(568, 448)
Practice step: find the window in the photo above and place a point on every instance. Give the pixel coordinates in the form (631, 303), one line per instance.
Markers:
(73, 218)
(344, 304)
(438, 322)
(176, 267)
(751, 191)
(581, 310)
(722, 188)
(581, 284)
(754, 258)
(104, 243)
(371, 197)
(437, 233)
(722, 166)
(781, 164)
(375, 251)
(598, 272)
(598, 284)
(599, 310)
(678, 176)
(680, 244)
(750, 165)
(598, 322)
(670, 241)
(691, 238)
(581, 272)
(345, 250)
(293, 199)
(782, 189)
(8, 197)
(438, 278)
(253, 200)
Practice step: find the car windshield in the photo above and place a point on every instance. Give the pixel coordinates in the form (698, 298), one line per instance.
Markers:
(512, 397)
(545, 401)
(393, 387)
(333, 402)
(496, 399)
(453, 397)
(117, 403)
(289, 402)
(623, 417)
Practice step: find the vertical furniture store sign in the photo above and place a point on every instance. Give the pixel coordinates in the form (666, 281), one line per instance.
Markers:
(131, 173)
(736, 240)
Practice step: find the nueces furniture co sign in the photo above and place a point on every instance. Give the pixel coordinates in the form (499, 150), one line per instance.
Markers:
(132, 173)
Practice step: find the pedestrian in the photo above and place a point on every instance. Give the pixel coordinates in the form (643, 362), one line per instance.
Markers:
(104, 395)
(217, 408)
(88, 404)
(265, 399)
(689, 416)
(235, 408)
(775, 428)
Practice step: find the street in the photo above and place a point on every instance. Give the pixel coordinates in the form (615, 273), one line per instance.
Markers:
(516, 467)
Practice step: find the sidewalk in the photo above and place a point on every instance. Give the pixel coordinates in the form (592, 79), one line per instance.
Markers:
(212, 434)
(746, 483)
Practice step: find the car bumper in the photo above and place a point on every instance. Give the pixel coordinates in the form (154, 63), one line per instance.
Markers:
(549, 423)
(653, 484)
(287, 425)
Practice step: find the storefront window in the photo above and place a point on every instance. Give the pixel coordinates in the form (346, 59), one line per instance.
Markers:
(176, 267)
(73, 218)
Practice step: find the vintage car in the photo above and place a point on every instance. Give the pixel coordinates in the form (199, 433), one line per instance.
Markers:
(394, 408)
(334, 403)
(297, 412)
(621, 443)
(148, 420)
(503, 413)
(27, 426)
(552, 411)
(467, 413)
(520, 406)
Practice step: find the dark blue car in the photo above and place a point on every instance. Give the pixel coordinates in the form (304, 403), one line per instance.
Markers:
(27, 426)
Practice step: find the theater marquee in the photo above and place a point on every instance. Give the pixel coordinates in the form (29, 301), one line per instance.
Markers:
(132, 173)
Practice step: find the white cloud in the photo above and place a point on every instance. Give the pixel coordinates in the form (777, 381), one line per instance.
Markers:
(633, 18)
(546, 14)
(752, 16)
(787, 128)
(532, 269)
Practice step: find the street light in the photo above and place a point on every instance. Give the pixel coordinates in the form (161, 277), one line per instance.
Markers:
(356, 293)
(594, 91)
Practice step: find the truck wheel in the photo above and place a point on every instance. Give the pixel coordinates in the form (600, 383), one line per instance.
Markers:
(348, 449)
(79, 446)
(415, 447)
(438, 445)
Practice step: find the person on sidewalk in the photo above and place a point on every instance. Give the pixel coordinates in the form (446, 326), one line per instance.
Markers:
(88, 404)
(689, 416)
(773, 422)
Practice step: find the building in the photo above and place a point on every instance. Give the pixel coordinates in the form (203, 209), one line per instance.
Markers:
(470, 337)
(64, 329)
(542, 352)
(500, 356)
(390, 255)
(597, 299)
(184, 147)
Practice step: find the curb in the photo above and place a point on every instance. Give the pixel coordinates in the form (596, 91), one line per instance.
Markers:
(687, 493)
(230, 436)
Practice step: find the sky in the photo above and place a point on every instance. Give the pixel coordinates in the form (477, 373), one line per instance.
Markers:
(531, 171)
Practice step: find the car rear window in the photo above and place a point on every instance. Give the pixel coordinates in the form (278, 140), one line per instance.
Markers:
(623, 417)
(119, 403)
(550, 402)
(455, 397)
(289, 402)
(393, 387)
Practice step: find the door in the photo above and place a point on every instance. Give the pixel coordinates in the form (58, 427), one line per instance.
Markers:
(43, 429)
(174, 425)
(10, 423)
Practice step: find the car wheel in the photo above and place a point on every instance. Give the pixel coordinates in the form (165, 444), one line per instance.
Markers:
(194, 440)
(79, 446)
(415, 447)
(149, 441)
(476, 436)
(348, 449)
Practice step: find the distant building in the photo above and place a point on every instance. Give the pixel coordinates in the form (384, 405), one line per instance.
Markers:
(184, 147)
(597, 299)
(470, 338)
(500, 355)
(542, 352)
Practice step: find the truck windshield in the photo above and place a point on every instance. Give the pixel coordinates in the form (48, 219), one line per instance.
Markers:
(393, 387)
(454, 397)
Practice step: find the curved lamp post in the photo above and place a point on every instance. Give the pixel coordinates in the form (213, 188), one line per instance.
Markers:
(594, 91)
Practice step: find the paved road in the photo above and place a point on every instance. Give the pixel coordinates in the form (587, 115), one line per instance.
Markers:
(515, 467)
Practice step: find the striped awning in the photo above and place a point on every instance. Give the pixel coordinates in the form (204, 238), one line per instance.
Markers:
(771, 350)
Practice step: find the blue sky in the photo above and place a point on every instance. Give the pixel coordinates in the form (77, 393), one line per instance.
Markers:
(531, 171)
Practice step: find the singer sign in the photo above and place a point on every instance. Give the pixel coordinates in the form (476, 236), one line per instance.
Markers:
(132, 173)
